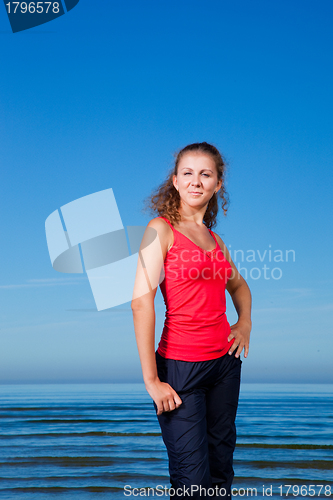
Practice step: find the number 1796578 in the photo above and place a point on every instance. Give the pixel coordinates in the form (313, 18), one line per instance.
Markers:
(32, 7)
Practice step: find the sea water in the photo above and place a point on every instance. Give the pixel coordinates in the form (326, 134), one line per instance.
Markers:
(103, 441)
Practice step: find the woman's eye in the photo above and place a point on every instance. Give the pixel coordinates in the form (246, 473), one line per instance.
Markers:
(206, 175)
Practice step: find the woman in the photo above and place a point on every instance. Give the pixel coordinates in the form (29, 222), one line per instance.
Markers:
(194, 376)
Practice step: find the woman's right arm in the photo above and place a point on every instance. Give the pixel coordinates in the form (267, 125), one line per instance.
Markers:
(150, 264)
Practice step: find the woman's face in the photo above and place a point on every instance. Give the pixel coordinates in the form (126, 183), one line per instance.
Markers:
(196, 179)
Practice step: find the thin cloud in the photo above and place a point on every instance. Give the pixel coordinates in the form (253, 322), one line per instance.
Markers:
(300, 292)
(110, 310)
(37, 283)
(52, 280)
(44, 327)
(320, 307)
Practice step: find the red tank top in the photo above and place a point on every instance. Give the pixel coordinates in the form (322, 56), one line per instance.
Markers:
(195, 327)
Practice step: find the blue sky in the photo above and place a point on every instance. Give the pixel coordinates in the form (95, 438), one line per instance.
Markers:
(101, 98)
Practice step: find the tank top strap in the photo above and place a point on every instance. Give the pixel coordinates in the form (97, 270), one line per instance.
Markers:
(175, 231)
(166, 220)
(211, 232)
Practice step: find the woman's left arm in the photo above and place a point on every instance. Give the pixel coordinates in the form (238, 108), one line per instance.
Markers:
(241, 297)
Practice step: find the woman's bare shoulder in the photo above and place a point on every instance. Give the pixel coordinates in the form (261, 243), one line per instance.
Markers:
(164, 231)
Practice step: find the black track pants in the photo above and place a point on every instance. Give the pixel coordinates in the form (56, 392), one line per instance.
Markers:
(200, 435)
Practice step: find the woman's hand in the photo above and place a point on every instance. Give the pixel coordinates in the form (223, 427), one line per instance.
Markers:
(240, 331)
(164, 396)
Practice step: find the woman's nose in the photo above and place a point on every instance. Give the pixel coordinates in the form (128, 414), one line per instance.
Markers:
(195, 181)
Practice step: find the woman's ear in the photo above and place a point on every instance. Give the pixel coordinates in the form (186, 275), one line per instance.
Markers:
(174, 181)
(218, 186)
